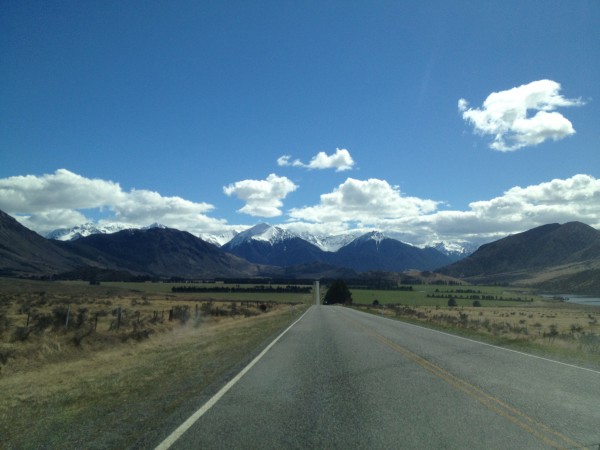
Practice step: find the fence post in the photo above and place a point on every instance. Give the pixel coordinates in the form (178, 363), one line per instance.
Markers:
(67, 319)
(119, 318)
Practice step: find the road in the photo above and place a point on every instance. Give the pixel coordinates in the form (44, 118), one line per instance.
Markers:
(340, 378)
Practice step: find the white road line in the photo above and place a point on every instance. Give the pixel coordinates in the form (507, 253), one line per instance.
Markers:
(489, 345)
(170, 440)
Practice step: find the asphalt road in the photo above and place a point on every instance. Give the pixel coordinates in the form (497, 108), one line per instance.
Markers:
(344, 379)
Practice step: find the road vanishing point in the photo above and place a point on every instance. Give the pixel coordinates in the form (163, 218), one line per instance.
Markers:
(340, 378)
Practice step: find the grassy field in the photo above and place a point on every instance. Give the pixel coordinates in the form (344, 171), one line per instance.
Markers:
(432, 295)
(133, 355)
(118, 387)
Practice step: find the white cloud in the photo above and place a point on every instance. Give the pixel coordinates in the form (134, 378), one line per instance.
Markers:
(58, 191)
(375, 204)
(44, 203)
(504, 115)
(263, 197)
(340, 161)
(363, 201)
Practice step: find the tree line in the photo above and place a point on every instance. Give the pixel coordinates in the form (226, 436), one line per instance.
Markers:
(291, 289)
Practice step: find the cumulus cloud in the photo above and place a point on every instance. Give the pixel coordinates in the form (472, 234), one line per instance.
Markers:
(375, 204)
(44, 203)
(363, 201)
(505, 115)
(263, 197)
(340, 161)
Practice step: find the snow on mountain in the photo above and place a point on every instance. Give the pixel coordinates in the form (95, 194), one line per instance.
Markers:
(154, 225)
(86, 229)
(457, 248)
(219, 239)
(376, 236)
(329, 243)
(262, 232)
(274, 234)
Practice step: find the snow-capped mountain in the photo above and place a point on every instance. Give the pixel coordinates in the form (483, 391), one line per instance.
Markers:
(457, 249)
(219, 239)
(329, 243)
(88, 229)
(84, 230)
(266, 244)
(262, 232)
(376, 236)
(278, 246)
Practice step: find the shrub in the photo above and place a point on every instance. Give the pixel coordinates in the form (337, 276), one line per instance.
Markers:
(4, 323)
(476, 303)
(181, 313)
(21, 334)
(338, 292)
(591, 342)
(452, 302)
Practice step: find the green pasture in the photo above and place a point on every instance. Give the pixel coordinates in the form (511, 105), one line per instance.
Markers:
(419, 296)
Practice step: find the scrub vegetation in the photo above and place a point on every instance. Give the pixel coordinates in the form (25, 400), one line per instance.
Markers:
(567, 331)
(124, 361)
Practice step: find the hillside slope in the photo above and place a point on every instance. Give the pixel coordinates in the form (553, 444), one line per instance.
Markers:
(549, 256)
(24, 252)
(164, 252)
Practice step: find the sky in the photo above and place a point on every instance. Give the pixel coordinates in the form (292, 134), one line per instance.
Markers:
(438, 120)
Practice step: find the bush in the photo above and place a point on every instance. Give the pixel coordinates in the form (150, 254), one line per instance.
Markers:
(181, 313)
(60, 316)
(4, 323)
(21, 334)
(476, 303)
(452, 302)
(338, 292)
(591, 342)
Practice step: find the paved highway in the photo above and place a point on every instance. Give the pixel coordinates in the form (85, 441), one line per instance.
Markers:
(343, 379)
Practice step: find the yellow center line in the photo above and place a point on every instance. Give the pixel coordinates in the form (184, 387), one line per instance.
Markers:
(519, 418)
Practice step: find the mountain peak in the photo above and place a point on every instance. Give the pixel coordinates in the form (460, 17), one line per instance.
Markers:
(84, 230)
(261, 232)
(374, 235)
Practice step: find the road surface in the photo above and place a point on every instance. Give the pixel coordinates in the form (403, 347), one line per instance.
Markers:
(344, 379)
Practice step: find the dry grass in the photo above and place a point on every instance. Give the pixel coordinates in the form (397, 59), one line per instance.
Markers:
(112, 390)
(571, 331)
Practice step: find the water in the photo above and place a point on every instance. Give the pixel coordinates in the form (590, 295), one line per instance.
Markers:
(579, 299)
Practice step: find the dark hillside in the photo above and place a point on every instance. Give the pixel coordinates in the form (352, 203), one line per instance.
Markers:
(530, 252)
(368, 254)
(24, 252)
(288, 252)
(164, 252)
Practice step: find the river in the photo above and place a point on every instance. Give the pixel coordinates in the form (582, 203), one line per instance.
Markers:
(580, 299)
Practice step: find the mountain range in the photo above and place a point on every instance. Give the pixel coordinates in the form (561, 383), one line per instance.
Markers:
(156, 251)
(552, 257)
(265, 244)
(261, 232)
(276, 246)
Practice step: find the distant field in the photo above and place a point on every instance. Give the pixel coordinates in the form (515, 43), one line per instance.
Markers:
(165, 288)
(432, 295)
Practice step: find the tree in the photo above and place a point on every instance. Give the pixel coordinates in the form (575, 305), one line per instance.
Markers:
(338, 292)
(452, 302)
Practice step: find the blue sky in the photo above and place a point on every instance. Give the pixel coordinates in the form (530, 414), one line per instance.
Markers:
(178, 112)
